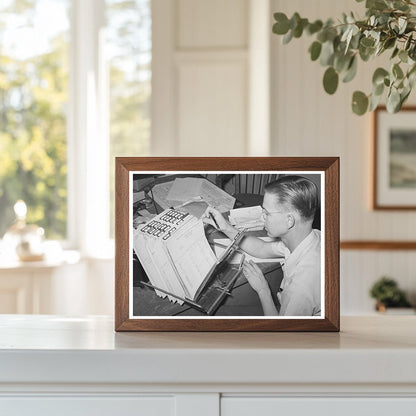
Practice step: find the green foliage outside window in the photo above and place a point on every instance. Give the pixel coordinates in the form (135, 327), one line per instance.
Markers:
(34, 103)
(129, 40)
(33, 99)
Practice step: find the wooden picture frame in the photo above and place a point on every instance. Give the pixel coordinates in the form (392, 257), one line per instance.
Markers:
(326, 169)
(394, 159)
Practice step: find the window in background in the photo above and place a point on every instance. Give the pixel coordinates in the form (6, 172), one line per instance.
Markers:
(129, 53)
(33, 101)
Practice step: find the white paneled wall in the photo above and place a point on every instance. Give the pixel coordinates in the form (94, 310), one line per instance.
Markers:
(225, 87)
(218, 122)
(203, 66)
(308, 122)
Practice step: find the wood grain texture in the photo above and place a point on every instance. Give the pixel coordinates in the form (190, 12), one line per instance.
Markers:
(121, 244)
(332, 289)
(330, 165)
(378, 245)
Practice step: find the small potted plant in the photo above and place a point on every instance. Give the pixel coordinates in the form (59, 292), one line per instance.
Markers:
(387, 294)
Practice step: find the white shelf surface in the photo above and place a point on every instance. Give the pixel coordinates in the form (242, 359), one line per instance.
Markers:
(53, 349)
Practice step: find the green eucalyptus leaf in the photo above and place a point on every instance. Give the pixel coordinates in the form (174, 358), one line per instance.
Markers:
(400, 5)
(298, 30)
(367, 42)
(411, 78)
(382, 19)
(395, 52)
(351, 32)
(403, 56)
(314, 27)
(355, 41)
(393, 101)
(412, 52)
(394, 26)
(408, 42)
(294, 21)
(338, 45)
(378, 89)
(404, 96)
(288, 37)
(350, 73)
(351, 18)
(281, 27)
(379, 75)
(412, 70)
(366, 53)
(330, 80)
(399, 85)
(315, 50)
(322, 35)
(332, 33)
(327, 54)
(341, 62)
(389, 43)
(374, 102)
(402, 22)
(347, 33)
(376, 4)
(397, 71)
(359, 103)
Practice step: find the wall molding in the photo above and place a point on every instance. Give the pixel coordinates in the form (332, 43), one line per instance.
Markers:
(377, 245)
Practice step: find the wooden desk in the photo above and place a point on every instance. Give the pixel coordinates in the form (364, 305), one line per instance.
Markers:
(244, 300)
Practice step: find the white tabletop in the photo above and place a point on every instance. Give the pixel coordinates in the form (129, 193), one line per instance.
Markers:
(58, 349)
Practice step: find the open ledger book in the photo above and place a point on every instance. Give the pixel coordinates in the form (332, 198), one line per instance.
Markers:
(175, 255)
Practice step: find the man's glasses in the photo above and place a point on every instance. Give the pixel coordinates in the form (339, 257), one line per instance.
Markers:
(266, 213)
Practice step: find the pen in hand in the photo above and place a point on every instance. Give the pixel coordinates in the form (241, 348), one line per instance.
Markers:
(213, 219)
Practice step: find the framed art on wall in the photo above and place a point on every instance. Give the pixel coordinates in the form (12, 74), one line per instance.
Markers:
(227, 244)
(394, 178)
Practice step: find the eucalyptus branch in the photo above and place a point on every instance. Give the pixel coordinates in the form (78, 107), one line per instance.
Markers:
(389, 25)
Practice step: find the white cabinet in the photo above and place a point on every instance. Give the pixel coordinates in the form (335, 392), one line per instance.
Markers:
(55, 365)
(67, 286)
(323, 406)
(88, 406)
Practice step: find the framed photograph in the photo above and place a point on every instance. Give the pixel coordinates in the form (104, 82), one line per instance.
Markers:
(227, 244)
(394, 180)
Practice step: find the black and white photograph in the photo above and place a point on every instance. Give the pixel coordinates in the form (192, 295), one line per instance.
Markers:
(226, 244)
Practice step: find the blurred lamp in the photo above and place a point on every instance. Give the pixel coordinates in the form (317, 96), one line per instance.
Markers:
(25, 241)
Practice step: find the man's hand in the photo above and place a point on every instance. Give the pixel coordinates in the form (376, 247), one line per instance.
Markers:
(255, 277)
(214, 217)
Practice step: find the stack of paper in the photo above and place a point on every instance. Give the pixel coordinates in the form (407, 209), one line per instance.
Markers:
(247, 218)
(184, 191)
(175, 253)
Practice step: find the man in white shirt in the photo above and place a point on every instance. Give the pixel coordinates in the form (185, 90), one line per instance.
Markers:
(289, 207)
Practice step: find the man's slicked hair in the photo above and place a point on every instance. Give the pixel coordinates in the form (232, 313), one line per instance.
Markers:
(297, 192)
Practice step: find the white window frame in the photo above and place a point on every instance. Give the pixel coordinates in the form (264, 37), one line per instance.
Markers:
(88, 138)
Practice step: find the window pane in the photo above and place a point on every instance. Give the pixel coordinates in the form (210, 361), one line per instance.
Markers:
(129, 45)
(33, 99)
